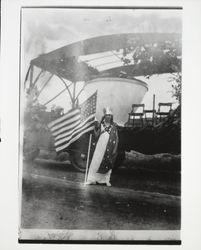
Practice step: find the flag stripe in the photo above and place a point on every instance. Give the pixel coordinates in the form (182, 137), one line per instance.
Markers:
(68, 115)
(60, 141)
(65, 129)
(68, 132)
(65, 123)
(74, 139)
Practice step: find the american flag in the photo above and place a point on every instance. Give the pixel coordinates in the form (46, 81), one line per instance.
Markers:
(71, 126)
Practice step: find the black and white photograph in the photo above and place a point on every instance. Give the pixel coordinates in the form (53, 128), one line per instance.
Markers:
(100, 124)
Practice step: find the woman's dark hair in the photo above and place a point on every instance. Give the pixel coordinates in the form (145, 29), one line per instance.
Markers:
(103, 118)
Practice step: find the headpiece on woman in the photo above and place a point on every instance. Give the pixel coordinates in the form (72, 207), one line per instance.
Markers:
(107, 111)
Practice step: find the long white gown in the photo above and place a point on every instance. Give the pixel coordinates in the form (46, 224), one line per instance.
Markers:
(97, 158)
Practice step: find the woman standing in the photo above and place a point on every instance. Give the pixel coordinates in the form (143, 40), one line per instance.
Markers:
(105, 152)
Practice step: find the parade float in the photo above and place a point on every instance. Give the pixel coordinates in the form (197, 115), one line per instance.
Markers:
(108, 64)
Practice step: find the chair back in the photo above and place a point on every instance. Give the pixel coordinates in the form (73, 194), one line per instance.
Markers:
(164, 107)
(137, 108)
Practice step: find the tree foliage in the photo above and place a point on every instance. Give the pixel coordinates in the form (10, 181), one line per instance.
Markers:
(151, 58)
(176, 80)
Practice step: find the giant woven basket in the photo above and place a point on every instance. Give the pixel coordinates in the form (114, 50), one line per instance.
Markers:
(117, 93)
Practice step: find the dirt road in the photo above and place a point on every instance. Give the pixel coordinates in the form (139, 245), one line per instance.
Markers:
(54, 197)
